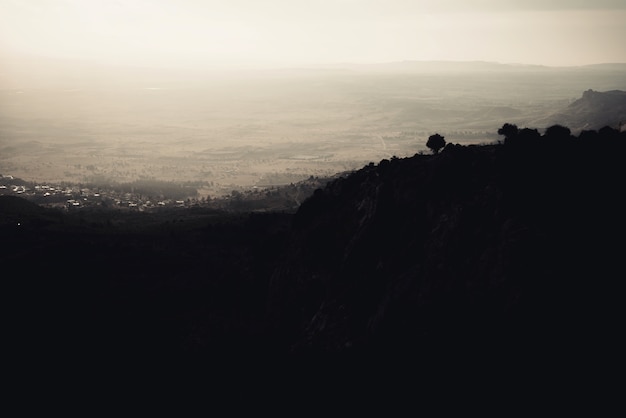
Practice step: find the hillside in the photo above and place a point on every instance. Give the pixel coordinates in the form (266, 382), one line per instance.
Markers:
(593, 110)
(501, 247)
(498, 249)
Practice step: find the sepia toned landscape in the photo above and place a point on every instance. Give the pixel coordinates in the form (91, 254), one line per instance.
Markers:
(222, 132)
(309, 201)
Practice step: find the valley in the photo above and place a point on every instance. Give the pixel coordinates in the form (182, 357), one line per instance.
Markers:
(270, 128)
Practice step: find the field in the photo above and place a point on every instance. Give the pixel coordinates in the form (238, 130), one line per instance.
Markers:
(237, 131)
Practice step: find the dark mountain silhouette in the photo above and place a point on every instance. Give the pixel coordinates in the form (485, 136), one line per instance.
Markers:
(592, 111)
(502, 247)
(509, 251)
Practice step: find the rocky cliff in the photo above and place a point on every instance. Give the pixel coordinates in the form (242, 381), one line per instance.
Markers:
(593, 110)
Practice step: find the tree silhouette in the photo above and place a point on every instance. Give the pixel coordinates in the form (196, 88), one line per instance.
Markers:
(436, 142)
(558, 133)
(509, 131)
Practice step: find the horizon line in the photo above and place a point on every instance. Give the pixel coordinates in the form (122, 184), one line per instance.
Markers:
(206, 65)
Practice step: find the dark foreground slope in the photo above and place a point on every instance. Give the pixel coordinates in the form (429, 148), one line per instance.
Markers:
(101, 285)
(500, 247)
(503, 249)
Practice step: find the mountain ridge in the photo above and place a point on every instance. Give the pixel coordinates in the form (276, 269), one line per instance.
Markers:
(593, 111)
(500, 250)
(465, 247)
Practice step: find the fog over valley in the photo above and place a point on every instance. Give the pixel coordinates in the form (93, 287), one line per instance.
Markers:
(243, 94)
(64, 120)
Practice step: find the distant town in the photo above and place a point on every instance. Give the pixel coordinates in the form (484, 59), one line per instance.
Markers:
(72, 197)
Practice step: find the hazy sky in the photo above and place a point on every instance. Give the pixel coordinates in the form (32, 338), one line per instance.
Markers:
(300, 32)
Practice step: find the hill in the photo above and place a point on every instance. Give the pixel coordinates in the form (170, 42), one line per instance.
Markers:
(495, 251)
(496, 248)
(14, 207)
(593, 110)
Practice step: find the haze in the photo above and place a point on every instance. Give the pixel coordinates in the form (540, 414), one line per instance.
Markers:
(244, 94)
(251, 33)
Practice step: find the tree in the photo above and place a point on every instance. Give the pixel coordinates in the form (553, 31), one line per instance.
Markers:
(509, 131)
(435, 143)
(558, 132)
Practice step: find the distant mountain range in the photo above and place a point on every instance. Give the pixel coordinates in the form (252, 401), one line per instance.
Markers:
(22, 70)
(467, 66)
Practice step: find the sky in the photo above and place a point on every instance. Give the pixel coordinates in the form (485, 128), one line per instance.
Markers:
(280, 33)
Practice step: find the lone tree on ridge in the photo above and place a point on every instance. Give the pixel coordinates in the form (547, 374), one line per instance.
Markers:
(435, 143)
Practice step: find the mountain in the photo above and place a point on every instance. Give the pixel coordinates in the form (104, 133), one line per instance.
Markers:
(491, 250)
(503, 253)
(593, 110)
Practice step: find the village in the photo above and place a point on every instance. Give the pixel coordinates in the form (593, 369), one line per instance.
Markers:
(74, 197)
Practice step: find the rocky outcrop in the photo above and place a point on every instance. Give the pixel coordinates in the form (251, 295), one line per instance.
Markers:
(593, 110)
